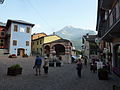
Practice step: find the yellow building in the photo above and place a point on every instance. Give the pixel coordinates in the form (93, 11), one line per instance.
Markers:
(37, 44)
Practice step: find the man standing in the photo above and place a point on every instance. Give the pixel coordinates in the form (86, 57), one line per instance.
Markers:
(37, 66)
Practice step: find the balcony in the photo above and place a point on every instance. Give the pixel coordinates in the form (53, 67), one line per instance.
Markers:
(107, 4)
(112, 24)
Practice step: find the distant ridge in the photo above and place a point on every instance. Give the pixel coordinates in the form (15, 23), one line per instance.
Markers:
(74, 35)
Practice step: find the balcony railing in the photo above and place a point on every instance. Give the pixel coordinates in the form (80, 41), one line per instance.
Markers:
(113, 17)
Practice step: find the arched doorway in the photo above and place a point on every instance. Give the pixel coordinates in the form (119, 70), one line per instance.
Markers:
(20, 52)
(117, 55)
(60, 49)
(47, 50)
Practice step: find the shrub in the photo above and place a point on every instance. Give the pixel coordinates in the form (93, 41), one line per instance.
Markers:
(15, 66)
(25, 55)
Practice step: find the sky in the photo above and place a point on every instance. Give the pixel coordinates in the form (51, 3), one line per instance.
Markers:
(51, 15)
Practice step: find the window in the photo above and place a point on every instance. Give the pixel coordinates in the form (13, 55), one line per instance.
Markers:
(1, 44)
(2, 33)
(14, 42)
(37, 42)
(28, 30)
(40, 42)
(27, 43)
(1, 41)
(21, 29)
(15, 28)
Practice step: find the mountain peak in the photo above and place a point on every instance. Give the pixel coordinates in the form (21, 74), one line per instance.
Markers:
(74, 34)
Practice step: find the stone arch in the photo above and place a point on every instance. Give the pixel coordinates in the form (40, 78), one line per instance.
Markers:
(20, 51)
(59, 48)
(47, 50)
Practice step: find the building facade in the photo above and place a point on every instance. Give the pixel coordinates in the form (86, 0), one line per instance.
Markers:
(19, 37)
(108, 27)
(90, 47)
(52, 44)
(37, 44)
(2, 36)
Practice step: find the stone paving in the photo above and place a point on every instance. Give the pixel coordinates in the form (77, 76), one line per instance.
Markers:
(59, 78)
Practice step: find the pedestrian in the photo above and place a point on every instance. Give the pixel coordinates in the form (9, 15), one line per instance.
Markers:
(85, 61)
(37, 66)
(79, 67)
(46, 64)
(61, 60)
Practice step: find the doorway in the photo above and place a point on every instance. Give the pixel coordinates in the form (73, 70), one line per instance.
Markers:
(21, 52)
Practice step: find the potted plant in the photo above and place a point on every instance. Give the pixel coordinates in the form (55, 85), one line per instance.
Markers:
(115, 87)
(102, 74)
(12, 56)
(25, 55)
(14, 70)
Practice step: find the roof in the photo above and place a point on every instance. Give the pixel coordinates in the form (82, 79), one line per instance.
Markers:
(18, 21)
(2, 24)
(59, 40)
(90, 37)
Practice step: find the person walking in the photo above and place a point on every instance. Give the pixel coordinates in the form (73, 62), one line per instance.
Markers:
(46, 64)
(79, 67)
(37, 66)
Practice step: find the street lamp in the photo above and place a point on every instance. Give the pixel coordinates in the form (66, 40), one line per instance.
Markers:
(1, 1)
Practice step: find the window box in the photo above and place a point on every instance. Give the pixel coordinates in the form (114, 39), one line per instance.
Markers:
(14, 70)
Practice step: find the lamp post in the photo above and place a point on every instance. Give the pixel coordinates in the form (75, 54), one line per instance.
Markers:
(1, 1)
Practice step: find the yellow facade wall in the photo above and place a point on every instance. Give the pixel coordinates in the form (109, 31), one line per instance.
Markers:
(37, 45)
(48, 39)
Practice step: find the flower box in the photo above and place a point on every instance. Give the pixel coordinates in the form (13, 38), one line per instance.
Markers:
(14, 70)
(102, 74)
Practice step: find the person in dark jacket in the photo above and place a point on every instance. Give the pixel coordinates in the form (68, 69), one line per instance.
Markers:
(37, 66)
(79, 67)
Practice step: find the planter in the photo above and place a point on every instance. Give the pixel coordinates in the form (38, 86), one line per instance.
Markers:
(103, 74)
(51, 64)
(58, 64)
(14, 71)
(115, 87)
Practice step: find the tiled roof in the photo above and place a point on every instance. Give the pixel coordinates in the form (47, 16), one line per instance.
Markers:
(18, 21)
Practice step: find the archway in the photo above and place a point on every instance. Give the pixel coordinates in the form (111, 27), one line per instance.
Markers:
(20, 52)
(47, 50)
(117, 55)
(60, 49)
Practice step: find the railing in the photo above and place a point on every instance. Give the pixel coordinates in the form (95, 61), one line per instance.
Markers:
(113, 17)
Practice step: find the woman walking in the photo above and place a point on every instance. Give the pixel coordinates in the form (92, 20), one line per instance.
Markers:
(46, 64)
(79, 67)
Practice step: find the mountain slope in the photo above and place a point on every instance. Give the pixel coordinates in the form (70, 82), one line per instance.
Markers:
(74, 35)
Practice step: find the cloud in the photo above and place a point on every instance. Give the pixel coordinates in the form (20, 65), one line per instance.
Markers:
(37, 28)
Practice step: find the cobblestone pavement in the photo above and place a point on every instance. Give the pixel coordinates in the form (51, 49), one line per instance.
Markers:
(59, 78)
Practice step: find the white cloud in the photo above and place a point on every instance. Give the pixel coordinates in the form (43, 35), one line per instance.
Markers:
(37, 28)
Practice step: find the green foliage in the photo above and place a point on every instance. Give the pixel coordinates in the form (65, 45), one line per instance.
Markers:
(102, 70)
(93, 45)
(15, 66)
(79, 52)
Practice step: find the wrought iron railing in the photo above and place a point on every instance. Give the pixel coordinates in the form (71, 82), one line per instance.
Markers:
(113, 17)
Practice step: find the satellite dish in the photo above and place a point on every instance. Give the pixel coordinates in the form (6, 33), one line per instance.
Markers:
(1, 1)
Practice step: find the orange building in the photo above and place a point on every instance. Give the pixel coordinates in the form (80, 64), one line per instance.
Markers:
(38, 35)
